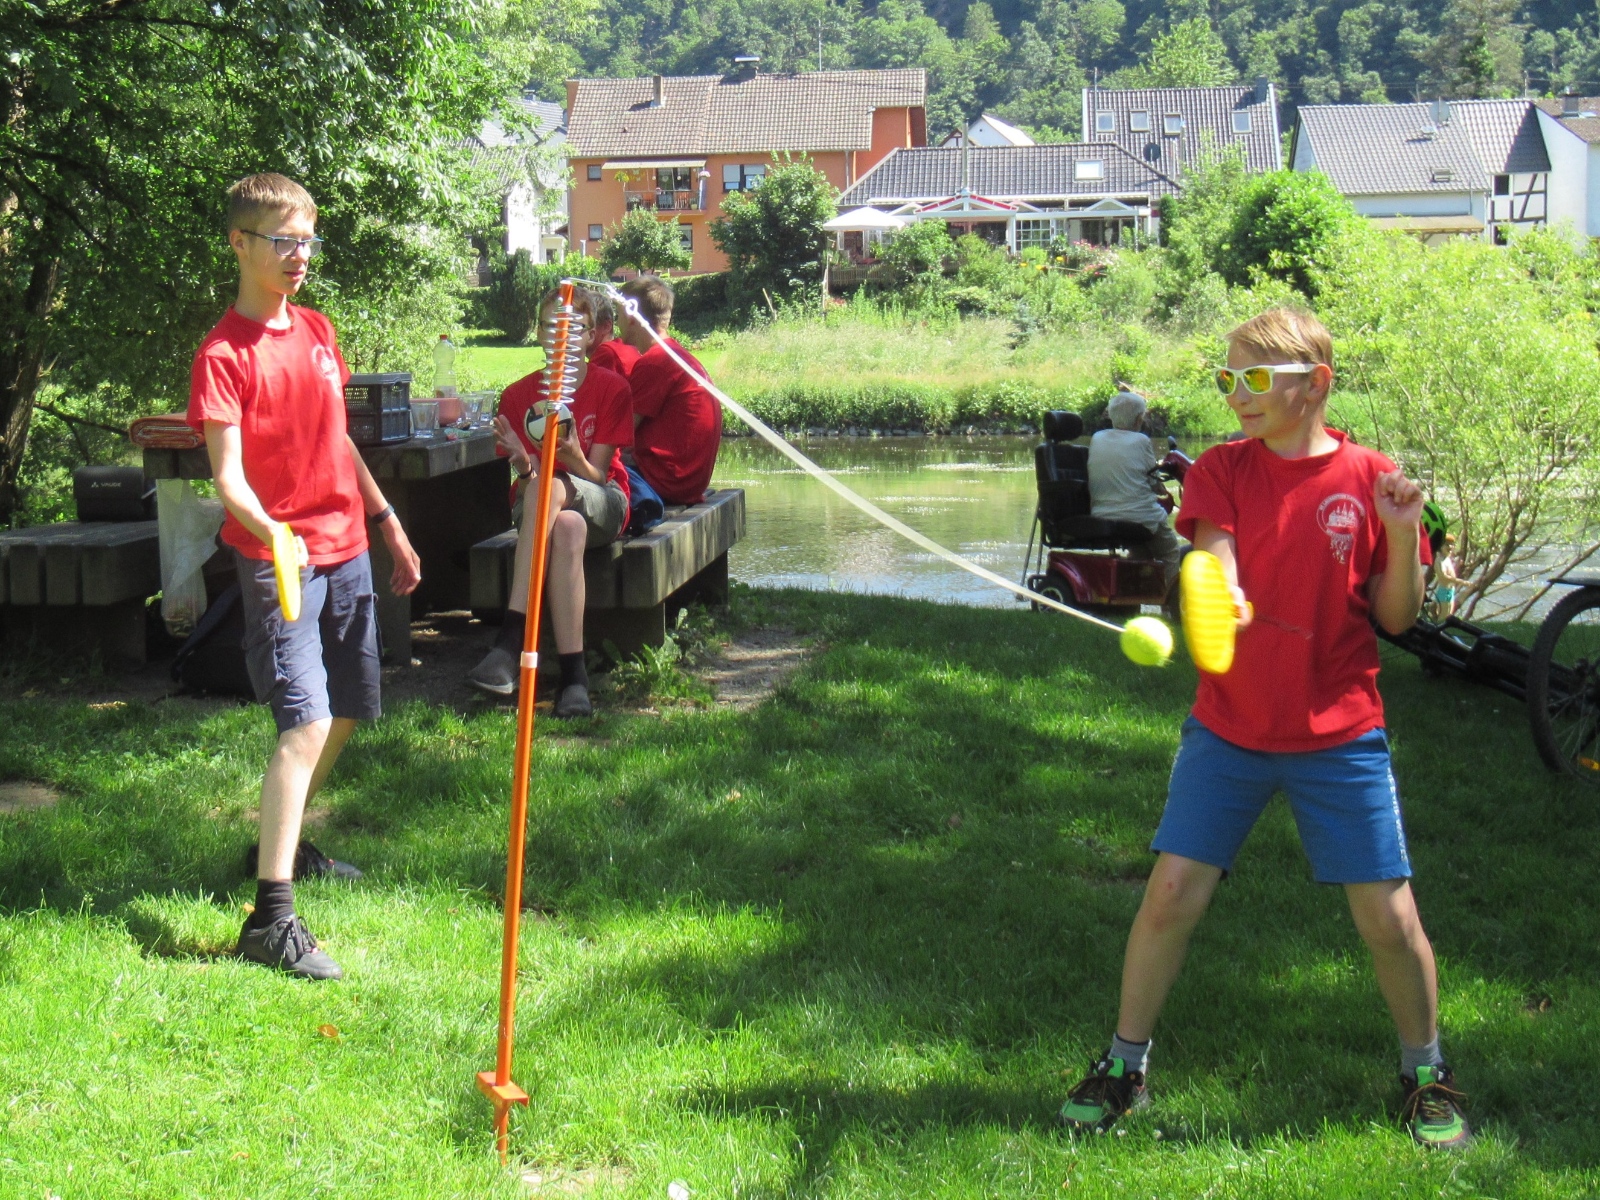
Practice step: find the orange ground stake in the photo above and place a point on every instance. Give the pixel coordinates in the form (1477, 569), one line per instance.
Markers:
(496, 1084)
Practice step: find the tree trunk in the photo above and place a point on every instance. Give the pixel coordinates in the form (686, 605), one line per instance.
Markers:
(22, 350)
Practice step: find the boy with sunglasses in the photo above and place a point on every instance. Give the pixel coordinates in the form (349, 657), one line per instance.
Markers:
(267, 393)
(1323, 538)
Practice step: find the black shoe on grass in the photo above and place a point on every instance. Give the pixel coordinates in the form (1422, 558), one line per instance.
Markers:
(288, 945)
(1432, 1112)
(574, 702)
(309, 863)
(1107, 1092)
(496, 673)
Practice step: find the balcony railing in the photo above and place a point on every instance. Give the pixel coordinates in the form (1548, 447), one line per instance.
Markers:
(662, 200)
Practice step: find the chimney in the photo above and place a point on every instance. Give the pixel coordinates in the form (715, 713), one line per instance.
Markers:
(1569, 104)
(1441, 112)
(656, 96)
(1263, 89)
(745, 66)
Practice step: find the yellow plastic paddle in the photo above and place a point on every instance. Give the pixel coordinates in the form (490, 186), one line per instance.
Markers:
(288, 556)
(1210, 617)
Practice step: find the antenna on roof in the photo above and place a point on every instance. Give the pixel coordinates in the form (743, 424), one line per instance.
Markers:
(966, 188)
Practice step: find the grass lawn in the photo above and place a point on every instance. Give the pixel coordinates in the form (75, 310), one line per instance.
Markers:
(485, 359)
(855, 941)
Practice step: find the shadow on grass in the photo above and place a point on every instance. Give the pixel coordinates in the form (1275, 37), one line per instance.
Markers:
(949, 821)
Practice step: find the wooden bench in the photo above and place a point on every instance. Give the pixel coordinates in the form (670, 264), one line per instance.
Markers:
(80, 585)
(631, 584)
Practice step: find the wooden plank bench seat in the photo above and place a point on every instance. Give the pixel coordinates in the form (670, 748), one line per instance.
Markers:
(631, 583)
(80, 585)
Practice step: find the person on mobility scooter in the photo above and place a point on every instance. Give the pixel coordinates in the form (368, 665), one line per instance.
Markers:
(1102, 513)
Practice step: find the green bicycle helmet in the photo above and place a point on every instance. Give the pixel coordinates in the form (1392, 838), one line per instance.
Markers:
(1434, 524)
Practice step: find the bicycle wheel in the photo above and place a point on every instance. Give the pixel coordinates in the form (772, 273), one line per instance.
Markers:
(1564, 687)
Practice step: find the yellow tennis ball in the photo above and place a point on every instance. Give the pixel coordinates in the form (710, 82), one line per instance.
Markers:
(1147, 641)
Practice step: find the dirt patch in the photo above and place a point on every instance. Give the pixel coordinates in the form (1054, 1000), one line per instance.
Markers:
(558, 1181)
(23, 795)
(753, 666)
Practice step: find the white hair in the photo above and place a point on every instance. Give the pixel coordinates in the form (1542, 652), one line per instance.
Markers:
(1126, 410)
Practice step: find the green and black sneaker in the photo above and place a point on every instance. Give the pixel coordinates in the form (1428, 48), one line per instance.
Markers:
(1108, 1091)
(1432, 1110)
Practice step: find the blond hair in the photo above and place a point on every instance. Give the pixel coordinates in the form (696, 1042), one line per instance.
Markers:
(267, 195)
(1286, 335)
(655, 298)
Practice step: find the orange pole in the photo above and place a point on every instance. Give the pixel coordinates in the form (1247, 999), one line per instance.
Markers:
(497, 1084)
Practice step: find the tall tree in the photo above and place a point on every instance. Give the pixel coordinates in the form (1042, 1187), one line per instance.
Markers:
(1190, 54)
(122, 121)
(1478, 51)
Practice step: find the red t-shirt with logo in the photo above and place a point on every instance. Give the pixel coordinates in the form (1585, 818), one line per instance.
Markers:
(615, 355)
(675, 446)
(1305, 671)
(284, 389)
(602, 410)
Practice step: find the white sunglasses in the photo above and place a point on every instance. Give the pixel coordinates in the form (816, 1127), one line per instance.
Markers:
(1258, 379)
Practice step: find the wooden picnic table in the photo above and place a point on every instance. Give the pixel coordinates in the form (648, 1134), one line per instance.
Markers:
(449, 492)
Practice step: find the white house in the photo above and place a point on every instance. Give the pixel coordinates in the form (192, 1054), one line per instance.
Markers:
(990, 130)
(527, 169)
(1571, 129)
(1453, 168)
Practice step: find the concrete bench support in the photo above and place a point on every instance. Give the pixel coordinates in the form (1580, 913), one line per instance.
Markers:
(80, 585)
(632, 583)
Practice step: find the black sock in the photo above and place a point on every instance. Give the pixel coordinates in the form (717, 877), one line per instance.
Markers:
(572, 670)
(274, 901)
(511, 631)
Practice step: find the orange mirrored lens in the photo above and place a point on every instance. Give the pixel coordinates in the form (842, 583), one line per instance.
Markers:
(1226, 380)
(1257, 379)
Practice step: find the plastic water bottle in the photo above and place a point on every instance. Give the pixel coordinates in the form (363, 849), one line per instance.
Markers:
(444, 367)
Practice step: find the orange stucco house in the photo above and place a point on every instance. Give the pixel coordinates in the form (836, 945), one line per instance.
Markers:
(679, 144)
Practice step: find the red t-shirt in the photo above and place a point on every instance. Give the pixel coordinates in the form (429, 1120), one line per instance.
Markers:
(602, 410)
(675, 446)
(1305, 672)
(615, 355)
(284, 389)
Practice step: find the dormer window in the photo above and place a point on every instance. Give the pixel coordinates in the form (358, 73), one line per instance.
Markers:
(1443, 175)
(1105, 123)
(1241, 122)
(1139, 122)
(1089, 168)
(1172, 124)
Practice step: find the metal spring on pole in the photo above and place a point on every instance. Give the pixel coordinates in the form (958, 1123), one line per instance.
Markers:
(562, 339)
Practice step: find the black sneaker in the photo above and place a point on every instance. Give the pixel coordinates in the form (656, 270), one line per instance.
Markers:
(1432, 1111)
(287, 944)
(1104, 1095)
(309, 863)
(574, 702)
(496, 673)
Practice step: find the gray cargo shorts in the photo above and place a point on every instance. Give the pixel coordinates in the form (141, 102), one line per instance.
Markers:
(603, 506)
(326, 663)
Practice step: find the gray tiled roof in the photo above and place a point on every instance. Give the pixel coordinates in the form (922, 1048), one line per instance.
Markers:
(927, 173)
(501, 166)
(1588, 128)
(1505, 134)
(1207, 121)
(714, 114)
(1381, 149)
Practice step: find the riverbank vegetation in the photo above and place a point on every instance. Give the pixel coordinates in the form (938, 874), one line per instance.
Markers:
(854, 942)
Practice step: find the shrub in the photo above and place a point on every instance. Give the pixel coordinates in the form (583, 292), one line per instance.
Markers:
(773, 234)
(1288, 226)
(511, 301)
(642, 242)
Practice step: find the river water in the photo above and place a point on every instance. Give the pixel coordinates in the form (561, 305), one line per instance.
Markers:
(974, 495)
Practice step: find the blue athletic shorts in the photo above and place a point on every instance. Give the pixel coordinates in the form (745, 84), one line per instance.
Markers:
(326, 663)
(1344, 801)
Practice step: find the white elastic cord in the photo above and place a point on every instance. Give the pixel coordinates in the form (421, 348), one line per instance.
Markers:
(872, 510)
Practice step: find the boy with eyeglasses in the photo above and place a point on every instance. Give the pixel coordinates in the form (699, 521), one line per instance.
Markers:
(1323, 537)
(267, 393)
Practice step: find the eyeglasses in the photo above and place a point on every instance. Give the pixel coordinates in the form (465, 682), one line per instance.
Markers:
(1258, 379)
(285, 246)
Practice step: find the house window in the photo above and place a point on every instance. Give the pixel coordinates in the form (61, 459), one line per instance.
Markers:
(1502, 185)
(741, 177)
(1443, 175)
(686, 237)
(1172, 124)
(1089, 168)
(1038, 232)
(674, 179)
(1241, 122)
(596, 233)
(594, 172)
(1105, 123)
(1139, 122)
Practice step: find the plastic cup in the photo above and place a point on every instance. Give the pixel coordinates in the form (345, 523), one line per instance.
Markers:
(449, 409)
(424, 418)
(472, 405)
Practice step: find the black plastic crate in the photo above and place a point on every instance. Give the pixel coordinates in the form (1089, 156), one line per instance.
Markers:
(375, 394)
(378, 429)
